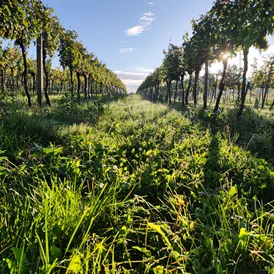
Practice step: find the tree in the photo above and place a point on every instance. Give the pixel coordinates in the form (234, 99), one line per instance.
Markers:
(250, 26)
(146, 87)
(32, 67)
(203, 46)
(188, 64)
(171, 68)
(21, 21)
(200, 46)
(259, 78)
(233, 79)
(4, 63)
(101, 71)
(157, 80)
(270, 66)
(222, 39)
(79, 52)
(92, 74)
(50, 36)
(87, 66)
(68, 52)
(9, 61)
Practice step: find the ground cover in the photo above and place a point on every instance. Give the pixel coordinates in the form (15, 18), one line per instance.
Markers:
(129, 186)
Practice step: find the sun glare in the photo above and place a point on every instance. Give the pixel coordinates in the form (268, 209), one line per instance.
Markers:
(225, 55)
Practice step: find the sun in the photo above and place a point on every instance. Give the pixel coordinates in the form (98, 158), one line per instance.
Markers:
(225, 56)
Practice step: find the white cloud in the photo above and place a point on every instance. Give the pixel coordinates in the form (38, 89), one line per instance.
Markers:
(122, 42)
(144, 23)
(132, 88)
(151, 3)
(147, 18)
(132, 80)
(144, 70)
(135, 31)
(129, 75)
(126, 50)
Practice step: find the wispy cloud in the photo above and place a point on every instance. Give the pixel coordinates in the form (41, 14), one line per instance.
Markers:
(145, 70)
(129, 75)
(132, 82)
(122, 42)
(151, 3)
(147, 18)
(144, 22)
(135, 31)
(126, 50)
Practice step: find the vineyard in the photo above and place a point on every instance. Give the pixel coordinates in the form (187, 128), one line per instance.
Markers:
(178, 178)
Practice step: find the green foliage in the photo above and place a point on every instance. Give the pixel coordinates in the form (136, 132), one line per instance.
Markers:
(142, 190)
(25, 22)
(69, 110)
(67, 50)
(172, 63)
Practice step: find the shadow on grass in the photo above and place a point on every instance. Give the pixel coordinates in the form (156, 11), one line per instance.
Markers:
(253, 132)
(69, 110)
(21, 126)
(211, 169)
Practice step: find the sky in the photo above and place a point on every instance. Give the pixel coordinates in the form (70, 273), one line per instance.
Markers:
(129, 35)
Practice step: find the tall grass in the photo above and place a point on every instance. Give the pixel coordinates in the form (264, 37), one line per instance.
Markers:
(136, 188)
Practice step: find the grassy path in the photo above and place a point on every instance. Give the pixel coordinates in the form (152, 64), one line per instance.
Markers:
(145, 190)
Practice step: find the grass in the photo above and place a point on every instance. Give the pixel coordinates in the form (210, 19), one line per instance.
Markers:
(133, 187)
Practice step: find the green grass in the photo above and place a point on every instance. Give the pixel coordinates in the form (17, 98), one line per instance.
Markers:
(133, 187)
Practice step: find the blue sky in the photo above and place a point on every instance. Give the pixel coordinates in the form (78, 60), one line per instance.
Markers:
(129, 35)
